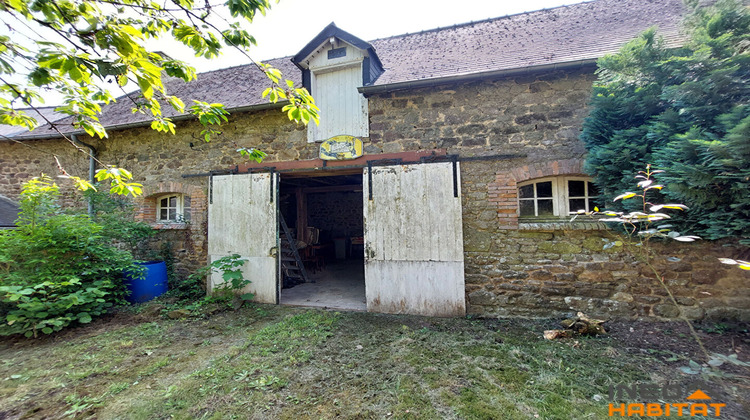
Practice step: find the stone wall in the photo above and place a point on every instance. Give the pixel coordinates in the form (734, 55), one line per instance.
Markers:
(553, 269)
(21, 162)
(550, 268)
(512, 267)
(336, 213)
(537, 116)
(549, 273)
(158, 161)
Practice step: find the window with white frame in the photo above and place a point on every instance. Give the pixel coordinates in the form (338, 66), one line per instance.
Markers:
(173, 208)
(556, 196)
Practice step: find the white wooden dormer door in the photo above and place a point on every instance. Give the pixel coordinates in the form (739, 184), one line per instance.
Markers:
(343, 110)
(242, 219)
(414, 261)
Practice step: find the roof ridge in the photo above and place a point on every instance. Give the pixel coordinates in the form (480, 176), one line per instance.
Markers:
(36, 108)
(436, 29)
(474, 22)
(202, 73)
(246, 64)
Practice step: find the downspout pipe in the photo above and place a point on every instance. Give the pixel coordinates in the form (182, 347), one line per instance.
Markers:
(92, 168)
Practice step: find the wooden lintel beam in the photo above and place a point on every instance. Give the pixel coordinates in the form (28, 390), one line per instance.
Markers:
(332, 188)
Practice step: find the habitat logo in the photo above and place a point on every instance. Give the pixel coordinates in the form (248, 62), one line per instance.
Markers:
(697, 403)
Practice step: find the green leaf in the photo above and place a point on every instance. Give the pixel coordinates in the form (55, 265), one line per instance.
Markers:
(668, 206)
(625, 196)
(686, 238)
(688, 370)
(715, 362)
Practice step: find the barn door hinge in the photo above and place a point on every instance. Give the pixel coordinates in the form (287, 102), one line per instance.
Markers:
(369, 180)
(273, 172)
(454, 162)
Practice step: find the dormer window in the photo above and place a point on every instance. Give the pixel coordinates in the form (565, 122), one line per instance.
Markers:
(334, 65)
(336, 53)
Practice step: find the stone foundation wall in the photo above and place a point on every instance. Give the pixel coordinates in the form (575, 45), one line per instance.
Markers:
(549, 273)
(551, 269)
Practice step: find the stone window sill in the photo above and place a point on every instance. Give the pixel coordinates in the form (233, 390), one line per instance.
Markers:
(534, 223)
(169, 226)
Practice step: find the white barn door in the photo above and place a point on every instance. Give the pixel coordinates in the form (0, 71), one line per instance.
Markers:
(242, 219)
(414, 261)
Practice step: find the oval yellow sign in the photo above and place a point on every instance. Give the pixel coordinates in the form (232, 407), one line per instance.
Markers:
(341, 148)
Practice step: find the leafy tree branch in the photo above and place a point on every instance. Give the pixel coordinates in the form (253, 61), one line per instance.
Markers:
(77, 47)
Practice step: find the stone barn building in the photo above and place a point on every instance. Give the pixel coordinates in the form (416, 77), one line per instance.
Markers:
(439, 181)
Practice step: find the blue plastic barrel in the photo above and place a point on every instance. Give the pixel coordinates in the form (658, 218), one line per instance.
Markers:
(151, 284)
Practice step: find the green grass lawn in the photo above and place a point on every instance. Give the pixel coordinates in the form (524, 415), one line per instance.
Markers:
(292, 363)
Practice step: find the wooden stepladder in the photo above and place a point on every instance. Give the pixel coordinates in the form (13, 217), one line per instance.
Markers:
(292, 268)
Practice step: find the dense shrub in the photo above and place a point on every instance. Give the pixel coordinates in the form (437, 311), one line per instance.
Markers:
(686, 111)
(116, 214)
(56, 269)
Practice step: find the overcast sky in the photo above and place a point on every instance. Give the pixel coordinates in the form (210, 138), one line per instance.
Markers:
(291, 24)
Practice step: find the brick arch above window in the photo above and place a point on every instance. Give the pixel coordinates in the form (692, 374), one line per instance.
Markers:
(149, 207)
(545, 169)
(504, 190)
(171, 187)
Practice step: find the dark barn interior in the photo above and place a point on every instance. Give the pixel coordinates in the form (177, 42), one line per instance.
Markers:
(324, 220)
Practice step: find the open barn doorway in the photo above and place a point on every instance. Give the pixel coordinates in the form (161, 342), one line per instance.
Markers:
(321, 217)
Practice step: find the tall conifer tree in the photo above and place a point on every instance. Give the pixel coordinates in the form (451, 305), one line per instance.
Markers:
(685, 110)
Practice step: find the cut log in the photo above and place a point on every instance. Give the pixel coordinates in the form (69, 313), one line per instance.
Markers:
(553, 334)
(579, 325)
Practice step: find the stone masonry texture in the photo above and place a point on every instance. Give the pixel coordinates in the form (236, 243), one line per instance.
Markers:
(512, 267)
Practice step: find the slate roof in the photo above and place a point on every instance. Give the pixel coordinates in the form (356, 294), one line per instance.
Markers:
(8, 213)
(235, 87)
(47, 112)
(558, 36)
(564, 34)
